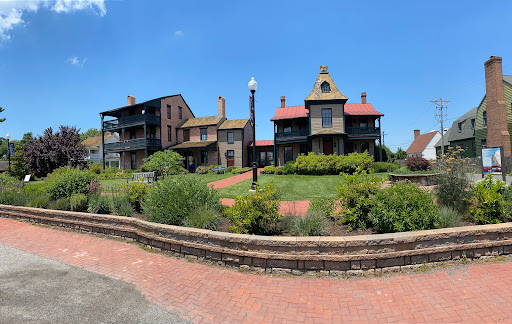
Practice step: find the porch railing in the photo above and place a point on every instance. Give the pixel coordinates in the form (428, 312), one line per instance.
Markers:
(135, 119)
(133, 144)
(292, 134)
(363, 130)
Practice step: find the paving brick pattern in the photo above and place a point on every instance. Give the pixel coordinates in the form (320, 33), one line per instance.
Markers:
(233, 180)
(205, 294)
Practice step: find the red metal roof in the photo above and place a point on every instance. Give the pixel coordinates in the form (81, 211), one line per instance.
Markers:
(301, 111)
(361, 110)
(263, 143)
(290, 113)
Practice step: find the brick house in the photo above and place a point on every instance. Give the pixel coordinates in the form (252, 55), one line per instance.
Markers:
(143, 128)
(424, 145)
(326, 124)
(213, 140)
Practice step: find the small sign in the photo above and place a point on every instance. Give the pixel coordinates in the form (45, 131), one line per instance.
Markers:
(27, 178)
(11, 147)
(492, 161)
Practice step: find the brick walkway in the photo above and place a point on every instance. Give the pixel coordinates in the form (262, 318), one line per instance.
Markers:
(476, 293)
(233, 180)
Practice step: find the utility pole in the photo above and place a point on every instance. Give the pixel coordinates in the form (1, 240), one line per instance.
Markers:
(383, 134)
(439, 105)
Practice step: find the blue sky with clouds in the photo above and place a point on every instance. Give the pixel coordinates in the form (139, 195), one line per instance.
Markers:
(62, 62)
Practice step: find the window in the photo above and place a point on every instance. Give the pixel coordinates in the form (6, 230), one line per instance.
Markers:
(365, 147)
(152, 132)
(133, 134)
(288, 154)
(484, 142)
(133, 161)
(326, 87)
(327, 117)
(363, 123)
(484, 114)
(472, 123)
(169, 133)
(303, 149)
(231, 138)
(204, 134)
(180, 113)
(473, 147)
(186, 135)
(460, 127)
(168, 112)
(287, 127)
(204, 157)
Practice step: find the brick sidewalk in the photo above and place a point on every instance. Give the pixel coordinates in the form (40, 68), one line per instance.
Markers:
(233, 180)
(476, 293)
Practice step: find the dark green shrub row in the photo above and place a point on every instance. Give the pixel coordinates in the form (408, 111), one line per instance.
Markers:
(241, 170)
(378, 167)
(320, 164)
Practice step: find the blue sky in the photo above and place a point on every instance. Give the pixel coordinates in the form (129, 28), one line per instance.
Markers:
(63, 62)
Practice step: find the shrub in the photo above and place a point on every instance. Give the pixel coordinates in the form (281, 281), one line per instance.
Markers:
(378, 167)
(60, 204)
(121, 205)
(448, 217)
(241, 170)
(165, 162)
(170, 200)
(96, 168)
(417, 164)
(320, 164)
(326, 206)
(13, 193)
(65, 182)
(490, 207)
(313, 224)
(355, 192)
(229, 169)
(78, 202)
(137, 192)
(453, 189)
(403, 207)
(203, 217)
(202, 170)
(290, 167)
(99, 204)
(279, 170)
(256, 213)
(40, 201)
(269, 169)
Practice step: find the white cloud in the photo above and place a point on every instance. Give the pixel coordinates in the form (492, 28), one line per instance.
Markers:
(73, 60)
(11, 11)
(178, 33)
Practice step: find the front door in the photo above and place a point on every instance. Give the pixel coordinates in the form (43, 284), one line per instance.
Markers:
(328, 145)
(230, 156)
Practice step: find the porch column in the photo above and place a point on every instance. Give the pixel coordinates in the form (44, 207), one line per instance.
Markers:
(195, 160)
(102, 143)
(188, 169)
(319, 151)
(206, 156)
(145, 142)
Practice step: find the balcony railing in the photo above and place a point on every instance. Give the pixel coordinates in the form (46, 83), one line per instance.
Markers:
(131, 120)
(292, 134)
(363, 131)
(133, 144)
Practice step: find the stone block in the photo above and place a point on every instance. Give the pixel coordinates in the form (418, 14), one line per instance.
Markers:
(368, 264)
(231, 258)
(257, 262)
(213, 255)
(442, 256)
(190, 251)
(392, 262)
(355, 265)
(337, 265)
(313, 265)
(277, 263)
(419, 259)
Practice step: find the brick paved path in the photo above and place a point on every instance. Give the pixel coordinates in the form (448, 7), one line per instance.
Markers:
(476, 293)
(233, 180)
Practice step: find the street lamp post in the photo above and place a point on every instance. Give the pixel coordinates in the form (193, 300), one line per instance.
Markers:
(253, 85)
(8, 137)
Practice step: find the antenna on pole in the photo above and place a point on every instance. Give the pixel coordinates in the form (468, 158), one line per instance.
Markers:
(440, 104)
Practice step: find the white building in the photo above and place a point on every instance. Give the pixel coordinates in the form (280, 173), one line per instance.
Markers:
(95, 150)
(424, 145)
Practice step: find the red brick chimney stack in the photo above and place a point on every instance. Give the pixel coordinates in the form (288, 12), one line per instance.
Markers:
(283, 102)
(222, 107)
(416, 133)
(363, 97)
(497, 128)
(131, 100)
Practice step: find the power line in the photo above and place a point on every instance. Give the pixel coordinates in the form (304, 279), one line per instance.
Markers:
(439, 105)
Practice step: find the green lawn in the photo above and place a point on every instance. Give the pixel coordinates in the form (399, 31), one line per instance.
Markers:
(293, 187)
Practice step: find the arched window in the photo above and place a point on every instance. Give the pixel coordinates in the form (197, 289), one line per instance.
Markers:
(326, 87)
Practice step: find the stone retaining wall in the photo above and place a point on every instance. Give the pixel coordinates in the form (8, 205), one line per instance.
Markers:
(336, 255)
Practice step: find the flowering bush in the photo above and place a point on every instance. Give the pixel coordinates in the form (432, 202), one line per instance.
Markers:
(417, 164)
(65, 182)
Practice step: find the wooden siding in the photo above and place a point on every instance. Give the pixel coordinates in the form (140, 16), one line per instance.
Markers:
(237, 146)
(480, 128)
(315, 112)
(467, 145)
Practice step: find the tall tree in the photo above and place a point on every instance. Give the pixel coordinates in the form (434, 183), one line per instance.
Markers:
(91, 132)
(54, 150)
(2, 119)
(400, 154)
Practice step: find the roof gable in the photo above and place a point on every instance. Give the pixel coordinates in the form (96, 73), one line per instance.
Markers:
(233, 124)
(95, 141)
(420, 143)
(201, 121)
(467, 131)
(317, 94)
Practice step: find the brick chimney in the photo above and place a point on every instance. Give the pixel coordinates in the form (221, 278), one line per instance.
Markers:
(131, 100)
(416, 133)
(283, 102)
(497, 130)
(363, 97)
(222, 107)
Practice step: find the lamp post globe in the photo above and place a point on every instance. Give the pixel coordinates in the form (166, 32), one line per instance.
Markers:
(253, 85)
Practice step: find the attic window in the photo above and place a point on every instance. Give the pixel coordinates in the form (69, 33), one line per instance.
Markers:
(460, 127)
(326, 88)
